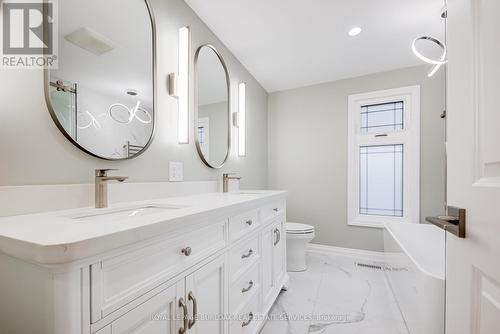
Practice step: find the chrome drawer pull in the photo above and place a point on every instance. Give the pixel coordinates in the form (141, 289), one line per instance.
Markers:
(250, 285)
(249, 222)
(276, 209)
(250, 252)
(246, 323)
(195, 309)
(186, 251)
(185, 311)
(277, 233)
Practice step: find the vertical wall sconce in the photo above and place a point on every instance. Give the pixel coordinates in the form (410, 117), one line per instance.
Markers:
(242, 119)
(183, 86)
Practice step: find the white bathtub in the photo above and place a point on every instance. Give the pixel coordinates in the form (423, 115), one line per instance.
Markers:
(415, 267)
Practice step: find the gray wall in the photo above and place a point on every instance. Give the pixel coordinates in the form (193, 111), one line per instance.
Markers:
(33, 151)
(308, 152)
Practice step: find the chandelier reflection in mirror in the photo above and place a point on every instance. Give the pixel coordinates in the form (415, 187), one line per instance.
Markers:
(436, 62)
(122, 114)
(118, 112)
(86, 120)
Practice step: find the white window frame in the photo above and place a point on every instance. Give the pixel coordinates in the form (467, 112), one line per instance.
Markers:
(409, 137)
(205, 146)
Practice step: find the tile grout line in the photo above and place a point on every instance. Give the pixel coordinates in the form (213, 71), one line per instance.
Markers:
(316, 297)
(393, 296)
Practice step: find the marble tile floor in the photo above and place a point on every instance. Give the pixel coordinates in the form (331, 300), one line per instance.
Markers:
(336, 296)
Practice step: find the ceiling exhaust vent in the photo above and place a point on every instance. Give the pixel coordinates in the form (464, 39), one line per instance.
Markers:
(91, 41)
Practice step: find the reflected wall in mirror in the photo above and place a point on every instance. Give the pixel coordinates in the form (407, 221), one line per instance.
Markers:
(212, 107)
(102, 95)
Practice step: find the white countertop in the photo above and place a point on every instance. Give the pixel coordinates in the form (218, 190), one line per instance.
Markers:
(58, 237)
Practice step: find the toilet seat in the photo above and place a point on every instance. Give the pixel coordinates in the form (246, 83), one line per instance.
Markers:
(296, 228)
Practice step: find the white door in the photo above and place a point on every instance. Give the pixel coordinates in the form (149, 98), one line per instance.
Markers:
(207, 298)
(473, 263)
(156, 316)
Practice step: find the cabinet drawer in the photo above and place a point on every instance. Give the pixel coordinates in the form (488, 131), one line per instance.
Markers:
(246, 319)
(271, 211)
(244, 288)
(121, 279)
(241, 225)
(241, 257)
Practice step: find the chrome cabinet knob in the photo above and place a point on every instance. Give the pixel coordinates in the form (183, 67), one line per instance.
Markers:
(186, 251)
(249, 222)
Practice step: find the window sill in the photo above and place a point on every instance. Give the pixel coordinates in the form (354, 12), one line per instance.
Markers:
(366, 224)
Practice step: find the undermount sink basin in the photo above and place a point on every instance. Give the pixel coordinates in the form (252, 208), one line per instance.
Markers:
(120, 214)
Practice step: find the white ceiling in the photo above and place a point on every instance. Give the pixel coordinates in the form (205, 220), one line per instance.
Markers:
(293, 43)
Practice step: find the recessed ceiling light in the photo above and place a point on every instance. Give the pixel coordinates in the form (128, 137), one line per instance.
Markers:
(355, 31)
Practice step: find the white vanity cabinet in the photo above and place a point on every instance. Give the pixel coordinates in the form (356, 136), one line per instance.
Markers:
(279, 251)
(200, 293)
(206, 296)
(120, 279)
(274, 261)
(214, 272)
(155, 316)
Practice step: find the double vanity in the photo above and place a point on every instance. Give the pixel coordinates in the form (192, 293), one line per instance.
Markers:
(209, 263)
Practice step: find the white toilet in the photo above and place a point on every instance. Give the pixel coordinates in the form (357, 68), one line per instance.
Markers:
(297, 238)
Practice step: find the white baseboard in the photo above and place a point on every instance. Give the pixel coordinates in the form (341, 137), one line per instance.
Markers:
(349, 252)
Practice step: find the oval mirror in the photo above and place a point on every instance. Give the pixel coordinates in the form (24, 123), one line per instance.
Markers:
(212, 107)
(102, 95)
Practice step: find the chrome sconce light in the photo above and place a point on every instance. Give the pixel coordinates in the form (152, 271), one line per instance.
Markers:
(241, 119)
(178, 86)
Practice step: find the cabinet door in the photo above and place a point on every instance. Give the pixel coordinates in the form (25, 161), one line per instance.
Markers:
(156, 316)
(279, 252)
(273, 261)
(267, 265)
(207, 298)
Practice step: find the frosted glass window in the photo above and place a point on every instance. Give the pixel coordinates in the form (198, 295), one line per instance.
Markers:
(381, 180)
(385, 117)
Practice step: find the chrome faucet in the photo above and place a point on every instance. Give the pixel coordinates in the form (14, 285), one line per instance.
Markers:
(225, 181)
(101, 186)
